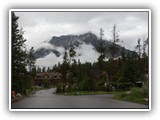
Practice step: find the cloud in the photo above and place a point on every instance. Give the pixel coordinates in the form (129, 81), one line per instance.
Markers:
(43, 45)
(49, 46)
(42, 26)
(48, 61)
(45, 31)
(84, 53)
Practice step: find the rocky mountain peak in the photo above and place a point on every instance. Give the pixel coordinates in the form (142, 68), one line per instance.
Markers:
(65, 41)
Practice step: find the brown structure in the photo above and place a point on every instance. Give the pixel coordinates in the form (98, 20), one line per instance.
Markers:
(53, 77)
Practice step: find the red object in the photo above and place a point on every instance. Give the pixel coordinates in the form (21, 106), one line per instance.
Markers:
(13, 93)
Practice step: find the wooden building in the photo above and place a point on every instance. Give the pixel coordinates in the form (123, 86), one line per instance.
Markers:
(53, 77)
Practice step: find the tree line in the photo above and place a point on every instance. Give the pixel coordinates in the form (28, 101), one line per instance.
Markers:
(129, 70)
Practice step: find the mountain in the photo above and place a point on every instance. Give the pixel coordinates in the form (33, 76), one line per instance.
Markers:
(65, 41)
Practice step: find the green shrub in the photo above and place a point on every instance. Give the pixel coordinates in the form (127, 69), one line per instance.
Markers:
(134, 95)
(140, 92)
(123, 86)
(59, 89)
(74, 88)
(26, 92)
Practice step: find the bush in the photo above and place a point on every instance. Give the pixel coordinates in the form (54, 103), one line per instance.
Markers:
(135, 95)
(123, 86)
(26, 92)
(59, 89)
(74, 87)
(140, 92)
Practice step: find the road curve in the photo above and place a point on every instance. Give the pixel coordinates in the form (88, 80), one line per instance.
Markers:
(45, 99)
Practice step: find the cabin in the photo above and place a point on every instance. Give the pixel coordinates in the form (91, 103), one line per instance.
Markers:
(53, 77)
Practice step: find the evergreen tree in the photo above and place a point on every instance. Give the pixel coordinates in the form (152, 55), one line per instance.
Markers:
(34, 71)
(140, 61)
(46, 82)
(39, 69)
(138, 48)
(72, 54)
(64, 70)
(123, 55)
(144, 48)
(101, 50)
(48, 69)
(103, 82)
(44, 69)
(112, 49)
(115, 40)
(31, 60)
(19, 55)
(31, 63)
(145, 61)
(128, 74)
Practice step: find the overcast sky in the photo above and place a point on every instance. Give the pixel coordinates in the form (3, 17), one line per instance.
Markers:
(41, 26)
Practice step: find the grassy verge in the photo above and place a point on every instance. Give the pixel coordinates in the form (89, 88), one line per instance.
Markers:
(36, 88)
(32, 90)
(84, 93)
(139, 95)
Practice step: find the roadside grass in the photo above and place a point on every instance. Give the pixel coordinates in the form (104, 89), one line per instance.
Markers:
(36, 88)
(138, 95)
(32, 90)
(75, 93)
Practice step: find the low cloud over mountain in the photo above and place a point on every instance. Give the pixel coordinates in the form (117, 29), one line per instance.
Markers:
(51, 52)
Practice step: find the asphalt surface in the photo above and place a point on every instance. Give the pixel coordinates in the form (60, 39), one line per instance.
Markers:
(44, 99)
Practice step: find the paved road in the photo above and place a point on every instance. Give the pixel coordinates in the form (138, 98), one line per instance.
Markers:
(46, 99)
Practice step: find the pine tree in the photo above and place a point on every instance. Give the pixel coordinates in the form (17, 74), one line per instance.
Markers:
(72, 54)
(139, 63)
(64, 70)
(18, 56)
(46, 82)
(144, 48)
(115, 40)
(101, 50)
(31, 63)
(145, 59)
(39, 69)
(48, 69)
(112, 49)
(123, 55)
(44, 69)
(31, 60)
(138, 47)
